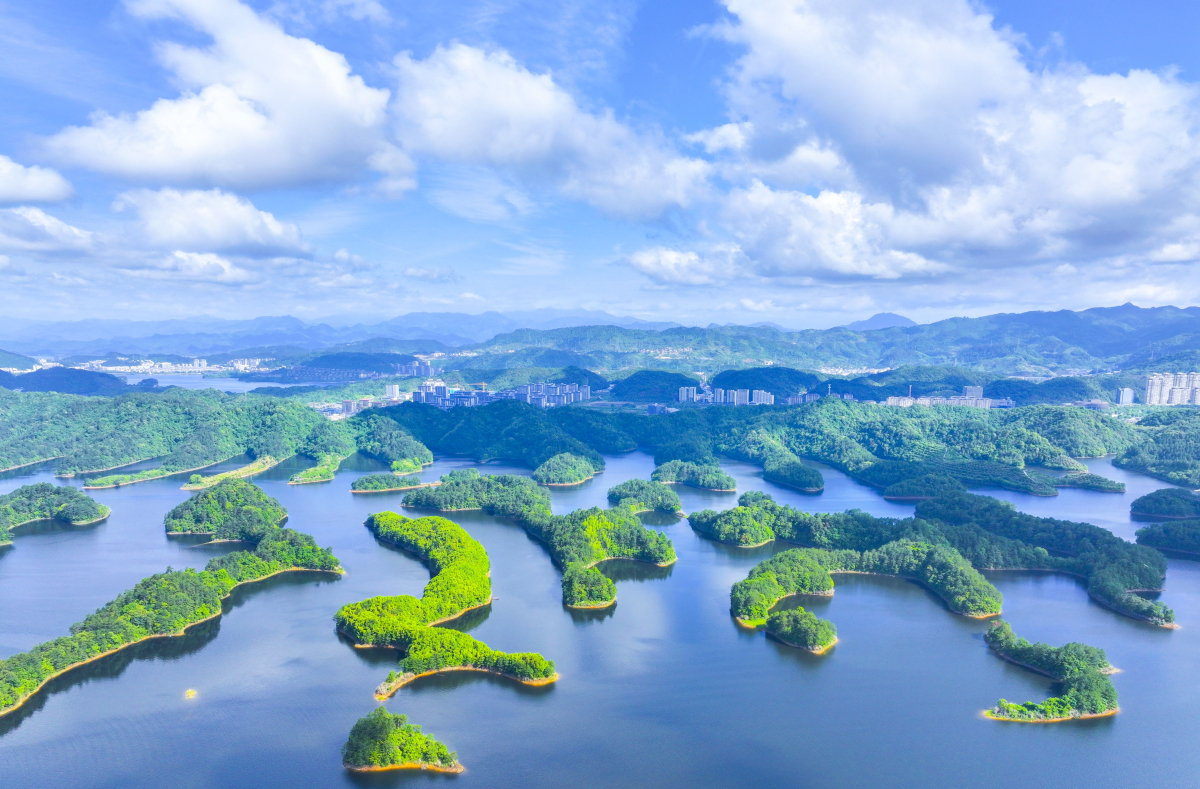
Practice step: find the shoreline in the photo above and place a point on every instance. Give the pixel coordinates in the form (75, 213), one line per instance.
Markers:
(1106, 671)
(924, 586)
(386, 689)
(794, 487)
(1150, 518)
(1106, 714)
(34, 463)
(814, 650)
(110, 468)
(147, 479)
(433, 768)
(181, 632)
(108, 511)
(591, 606)
(248, 470)
(391, 490)
(696, 487)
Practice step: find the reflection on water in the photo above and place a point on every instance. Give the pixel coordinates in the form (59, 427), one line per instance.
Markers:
(631, 570)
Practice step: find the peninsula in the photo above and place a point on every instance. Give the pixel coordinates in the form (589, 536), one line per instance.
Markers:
(44, 501)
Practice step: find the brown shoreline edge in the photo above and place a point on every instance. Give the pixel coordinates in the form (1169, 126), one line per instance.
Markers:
(183, 631)
(386, 690)
(433, 768)
(242, 472)
(391, 490)
(1106, 714)
(146, 479)
(815, 651)
(107, 512)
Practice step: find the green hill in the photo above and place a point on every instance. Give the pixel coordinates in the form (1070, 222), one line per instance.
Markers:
(651, 385)
(15, 361)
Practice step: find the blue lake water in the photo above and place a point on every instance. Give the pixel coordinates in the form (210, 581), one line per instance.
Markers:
(661, 691)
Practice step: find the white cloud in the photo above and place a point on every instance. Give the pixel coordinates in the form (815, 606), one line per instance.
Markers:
(259, 108)
(28, 229)
(463, 104)
(21, 184)
(674, 267)
(432, 274)
(192, 267)
(210, 221)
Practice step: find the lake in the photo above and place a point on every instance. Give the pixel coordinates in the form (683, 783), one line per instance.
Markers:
(663, 690)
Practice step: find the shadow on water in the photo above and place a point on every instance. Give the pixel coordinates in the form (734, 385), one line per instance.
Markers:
(655, 518)
(584, 616)
(27, 471)
(469, 620)
(452, 680)
(632, 570)
(51, 526)
(372, 656)
(398, 778)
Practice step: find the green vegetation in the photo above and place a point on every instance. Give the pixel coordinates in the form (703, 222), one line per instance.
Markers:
(69, 381)
(163, 604)
(1172, 451)
(804, 629)
(564, 469)
(1183, 536)
(584, 537)
(1081, 669)
(327, 466)
(381, 482)
(694, 475)
(642, 496)
(199, 482)
(1087, 482)
(1168, 503)
(387, 442)
(43, 501)
(459, 566)
(233, 509)
(382, 740)
(927, 486)
(651, 385)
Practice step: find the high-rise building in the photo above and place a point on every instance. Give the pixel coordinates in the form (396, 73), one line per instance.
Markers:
(687, 394)
(718, 396)
(762, 397)
(1124, 397)
(741, 396)
(972, 391)
(391, 391)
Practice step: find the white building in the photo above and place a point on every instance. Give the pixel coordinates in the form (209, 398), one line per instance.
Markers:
(1173, 389)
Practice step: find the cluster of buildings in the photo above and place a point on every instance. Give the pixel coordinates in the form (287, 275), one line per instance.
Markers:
(1172, 389)
(972, 397)
(709, 396)
(437, 393)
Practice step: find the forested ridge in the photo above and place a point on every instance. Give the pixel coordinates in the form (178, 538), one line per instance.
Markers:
(233, 509)
(45, 501)
(380, 482)
(1082, 671)
(565, 468)
(577, 542)
(381, 740)
(163, 604)
(696, 475)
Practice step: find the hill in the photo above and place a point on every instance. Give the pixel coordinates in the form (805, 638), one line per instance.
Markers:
(68, 381)
(651, 385)
(15, 361)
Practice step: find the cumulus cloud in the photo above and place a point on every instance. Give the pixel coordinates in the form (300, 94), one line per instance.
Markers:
(432, 274)
(887, 138)
(210, 221)
(27, 229)
(668, 266)
(21, 184)
(192, 267)
(259, 108)
(464, 104)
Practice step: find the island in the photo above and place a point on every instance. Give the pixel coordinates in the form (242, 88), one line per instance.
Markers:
(1082, 671)
(803, 630)
(578, 541)
(565, 468)
(165, 604)
(383, 741)
(959, 530)
(384, 483)
(460, 582)
(642, 496)
(200, 482)
(233, 509)
(926, 486)
(327, 466)
(696, 475)
(44, 501)
(1181, 537)
(1166, 504)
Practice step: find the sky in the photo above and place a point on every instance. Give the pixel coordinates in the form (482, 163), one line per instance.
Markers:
(804, 162)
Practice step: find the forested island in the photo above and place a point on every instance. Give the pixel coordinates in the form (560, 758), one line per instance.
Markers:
(695, 475)
(948, 536)
(803, 630)
(1178, 536)
(577, 542)
(43, 501)
(565, 468)
(642, 496)
(381, 483)
(234, 509)
(1082, 670)
(200, 482)
(383, 741)
(459, 566)
(1166, 504)
(164, 604)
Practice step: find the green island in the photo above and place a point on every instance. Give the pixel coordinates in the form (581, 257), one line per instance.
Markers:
(233, 509)
(164, 604)
(981, 532)
(696, 475)
(577, 542)
(565, 468)
(926, 486)
(1082, 671)
(381, 483)
(1178, 536)
(803, 630)
(1167, 504)
(43, 501)
(383, 741)
(642, 496)
(200, 482)
(460, 582)
(327, 466)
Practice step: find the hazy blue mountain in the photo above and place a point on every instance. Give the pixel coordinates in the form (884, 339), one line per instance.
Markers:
(881, 320)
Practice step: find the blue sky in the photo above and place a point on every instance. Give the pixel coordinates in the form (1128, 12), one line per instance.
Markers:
(806, 162)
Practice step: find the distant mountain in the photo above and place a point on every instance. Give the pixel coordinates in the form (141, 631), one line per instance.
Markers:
(881, 320)
(16, 361)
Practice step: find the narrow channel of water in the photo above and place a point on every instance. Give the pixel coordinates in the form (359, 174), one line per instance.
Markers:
(663, 690)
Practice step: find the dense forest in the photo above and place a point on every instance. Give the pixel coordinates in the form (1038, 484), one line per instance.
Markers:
(374, 483)
(1166, 504)
(1082, 671)
(696, 475)
(986, 532)
(163, 604)
(233, 509)
(565, 469)
(43, 501)
(576, 542)
(1169, 449)
(382, 740)
(459, 566)
(1182, 536)
(803, 629)
(642, 496)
